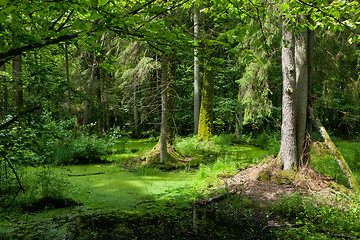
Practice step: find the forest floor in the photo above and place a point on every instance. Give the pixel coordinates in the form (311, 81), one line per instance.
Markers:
(258, 202)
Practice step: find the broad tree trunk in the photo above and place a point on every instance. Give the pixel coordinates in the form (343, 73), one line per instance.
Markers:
(335, 152)
(311, 66)
(301, 69)
(288, 148)
(206, 129)
(89, 93)
(196, 73)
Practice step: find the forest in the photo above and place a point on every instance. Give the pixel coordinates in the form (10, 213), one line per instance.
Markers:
(179, 119)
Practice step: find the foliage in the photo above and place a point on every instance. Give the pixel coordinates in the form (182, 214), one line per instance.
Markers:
(320, 218)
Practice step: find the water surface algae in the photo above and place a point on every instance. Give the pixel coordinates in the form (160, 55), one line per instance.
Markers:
(110, 193)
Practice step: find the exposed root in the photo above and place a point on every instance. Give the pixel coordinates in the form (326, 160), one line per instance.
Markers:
(152, 157)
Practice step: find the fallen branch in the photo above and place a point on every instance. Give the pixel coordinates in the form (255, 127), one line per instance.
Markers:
(335, 152)
(296, 225)
(215, 198)
(85, 174)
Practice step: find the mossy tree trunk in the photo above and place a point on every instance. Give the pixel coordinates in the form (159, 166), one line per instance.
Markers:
(206, 129)
(335, 152)
(165, 151)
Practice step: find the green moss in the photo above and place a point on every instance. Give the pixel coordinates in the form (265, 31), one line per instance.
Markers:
(205, 128)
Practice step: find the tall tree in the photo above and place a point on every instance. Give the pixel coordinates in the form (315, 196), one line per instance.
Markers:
(288, 148)
(90, 89)
(206, 128)
(18, 86)
(196, 72)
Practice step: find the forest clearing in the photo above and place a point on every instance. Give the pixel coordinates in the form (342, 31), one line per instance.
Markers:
(183, 119)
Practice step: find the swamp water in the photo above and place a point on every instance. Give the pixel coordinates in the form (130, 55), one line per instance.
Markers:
(119, 204)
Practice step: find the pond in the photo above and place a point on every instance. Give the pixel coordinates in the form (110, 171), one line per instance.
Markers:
(120, 204)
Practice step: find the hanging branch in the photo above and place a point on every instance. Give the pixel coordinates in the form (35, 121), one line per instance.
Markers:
(17, 177)
(14, 119)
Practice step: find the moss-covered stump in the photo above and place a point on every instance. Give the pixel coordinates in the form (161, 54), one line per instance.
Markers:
(152, 158)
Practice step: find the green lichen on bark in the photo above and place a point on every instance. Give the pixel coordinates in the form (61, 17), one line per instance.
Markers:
(205, 129)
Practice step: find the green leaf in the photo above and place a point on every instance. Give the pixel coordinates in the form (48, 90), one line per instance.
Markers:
(102, 2)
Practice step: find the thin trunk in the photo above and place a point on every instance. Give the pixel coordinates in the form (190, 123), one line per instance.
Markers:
(4, 109)
(67, 79)
(18, 91)
(136, 115)
(288, 148)
(89, 93)
(301, 69)
(335, 152)
(171, 95)
(207, 105)
(164, 156)
(239, 114)
(196, 73)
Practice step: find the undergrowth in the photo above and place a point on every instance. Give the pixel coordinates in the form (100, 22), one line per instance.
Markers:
(319, 218)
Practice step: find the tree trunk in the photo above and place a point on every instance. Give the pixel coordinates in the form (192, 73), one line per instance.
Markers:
(18, 91)
(4, 102)
(89, 93)
(164, 156)
(301, 69)
(196, 73)
(239, 114)
(288, 148)
(335, 152)
(171, 94)
(135, 111)
(68, 101)
(205, 130)
(311, 66)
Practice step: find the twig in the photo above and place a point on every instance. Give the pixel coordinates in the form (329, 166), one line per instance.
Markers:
(86, 174)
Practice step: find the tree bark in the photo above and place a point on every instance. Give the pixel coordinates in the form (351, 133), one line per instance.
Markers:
(89, 93)
(164, 156)
(206, 129)
(335, 152)
(171, 94)
(288, 148)
(301, 69)
(4, 102)
(311, 66)
(68, 79)
(18, 88)
(196, 73)
(239, 114)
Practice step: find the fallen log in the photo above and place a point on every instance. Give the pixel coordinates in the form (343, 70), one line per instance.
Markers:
(335, 152)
